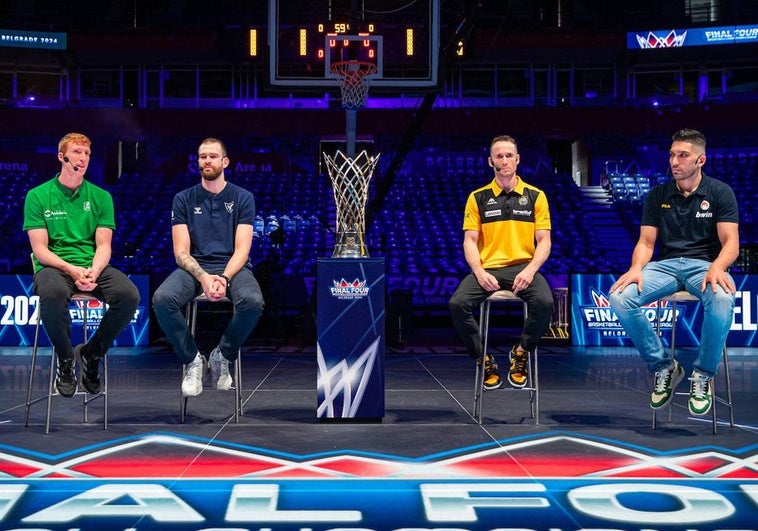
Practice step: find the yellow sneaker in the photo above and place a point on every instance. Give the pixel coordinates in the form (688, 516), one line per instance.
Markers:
(519, 370)
(492, 378)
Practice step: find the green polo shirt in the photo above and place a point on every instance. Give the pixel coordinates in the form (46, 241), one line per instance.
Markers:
(70, 218)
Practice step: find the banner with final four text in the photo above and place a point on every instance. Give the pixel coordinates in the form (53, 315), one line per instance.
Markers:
(350, 346)
(593, 321)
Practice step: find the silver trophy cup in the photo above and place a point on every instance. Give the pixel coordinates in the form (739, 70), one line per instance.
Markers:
(350, 179)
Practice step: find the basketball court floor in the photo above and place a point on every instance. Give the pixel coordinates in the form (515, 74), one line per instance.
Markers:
(593, 460)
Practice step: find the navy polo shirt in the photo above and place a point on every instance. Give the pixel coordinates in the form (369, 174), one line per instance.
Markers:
(687, 225)
(212, 220)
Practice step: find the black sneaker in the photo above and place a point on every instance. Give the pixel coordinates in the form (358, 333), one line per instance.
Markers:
(89, 370)
(65, 377)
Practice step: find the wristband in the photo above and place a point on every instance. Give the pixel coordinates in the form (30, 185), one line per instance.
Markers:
(226, 279)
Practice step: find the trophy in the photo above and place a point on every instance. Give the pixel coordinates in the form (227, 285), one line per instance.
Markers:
(350, 178)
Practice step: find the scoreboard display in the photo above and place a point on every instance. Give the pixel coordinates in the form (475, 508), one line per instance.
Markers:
(400, 37)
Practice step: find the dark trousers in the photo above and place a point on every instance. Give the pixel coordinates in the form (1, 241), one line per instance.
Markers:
(468, 294)
(55, 289)
(172, 296)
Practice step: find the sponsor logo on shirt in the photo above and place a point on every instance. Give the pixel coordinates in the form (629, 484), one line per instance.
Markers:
(704, 205)
(55, 214)
(522, 212)
(198, 210)
(229, 207)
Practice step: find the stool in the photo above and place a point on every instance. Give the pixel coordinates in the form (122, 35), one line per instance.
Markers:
(685, 296)
(532, 378)
(237, 381)
(87, 398)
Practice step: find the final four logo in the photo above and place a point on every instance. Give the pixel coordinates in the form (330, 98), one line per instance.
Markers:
(600, 316)
(343, 289)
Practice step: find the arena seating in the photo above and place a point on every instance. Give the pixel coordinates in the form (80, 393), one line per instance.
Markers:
(417, 229)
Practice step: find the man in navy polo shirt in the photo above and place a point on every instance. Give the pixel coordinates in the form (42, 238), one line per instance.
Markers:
(695, 220)
(212, 233)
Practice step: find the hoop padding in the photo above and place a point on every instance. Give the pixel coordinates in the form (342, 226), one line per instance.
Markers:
(354, 79)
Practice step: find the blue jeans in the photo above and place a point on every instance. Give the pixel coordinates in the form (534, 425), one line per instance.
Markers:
(664, 278)
(173, 295)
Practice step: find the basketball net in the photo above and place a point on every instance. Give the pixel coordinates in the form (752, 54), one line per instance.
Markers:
(354, 79)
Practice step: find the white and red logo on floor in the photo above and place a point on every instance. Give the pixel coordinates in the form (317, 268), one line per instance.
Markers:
(553, 481)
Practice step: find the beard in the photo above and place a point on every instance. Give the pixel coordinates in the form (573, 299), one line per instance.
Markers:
(212, 174)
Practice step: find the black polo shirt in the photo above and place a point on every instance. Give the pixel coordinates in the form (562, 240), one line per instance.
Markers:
(687, 225)
(212, 220)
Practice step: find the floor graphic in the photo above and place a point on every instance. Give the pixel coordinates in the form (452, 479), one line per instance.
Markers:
(557, 480)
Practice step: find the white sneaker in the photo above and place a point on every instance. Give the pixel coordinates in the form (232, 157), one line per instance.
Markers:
(701, 393)
(192, 385)
(220, 370)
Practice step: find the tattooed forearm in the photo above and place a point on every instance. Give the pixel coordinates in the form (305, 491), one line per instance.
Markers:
(190, 265)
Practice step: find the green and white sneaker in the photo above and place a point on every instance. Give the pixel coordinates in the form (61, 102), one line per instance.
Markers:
(701, 393)
(666, 381)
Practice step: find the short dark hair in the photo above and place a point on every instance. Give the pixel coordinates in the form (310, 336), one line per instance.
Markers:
(504, 138)
(694, 137)
(212, 140)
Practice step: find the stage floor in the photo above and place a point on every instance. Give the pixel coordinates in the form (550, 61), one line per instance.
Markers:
(595, 432)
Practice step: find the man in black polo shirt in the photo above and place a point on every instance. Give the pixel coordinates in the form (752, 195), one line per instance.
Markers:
(212, 233)
(695, 220)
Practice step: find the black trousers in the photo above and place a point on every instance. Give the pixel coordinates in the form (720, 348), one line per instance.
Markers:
(55, 289)
(538, 297)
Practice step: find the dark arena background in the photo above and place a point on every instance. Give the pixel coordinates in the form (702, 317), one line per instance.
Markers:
(591, 90)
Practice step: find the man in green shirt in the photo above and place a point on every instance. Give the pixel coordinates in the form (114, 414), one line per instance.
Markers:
(70, 224)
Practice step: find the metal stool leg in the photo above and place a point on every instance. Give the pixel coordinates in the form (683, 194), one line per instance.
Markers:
(728, 402)
(672, 346)
(238, 386)
(532, 384)
(191, 321)
(192, 309)
(484, 326)
(32, 367)
(50, 387)
(191, 318)
(50, 383)
(712, 385)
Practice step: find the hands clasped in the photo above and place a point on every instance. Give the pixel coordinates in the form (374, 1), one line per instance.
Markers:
(214, 287)
(85, 279)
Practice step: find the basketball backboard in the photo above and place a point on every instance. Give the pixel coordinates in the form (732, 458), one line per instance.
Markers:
(401, 37)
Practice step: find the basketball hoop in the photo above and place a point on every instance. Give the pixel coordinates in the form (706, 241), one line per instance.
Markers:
(354, 78)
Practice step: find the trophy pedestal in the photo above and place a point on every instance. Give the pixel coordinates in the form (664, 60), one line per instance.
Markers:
(350, 344)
